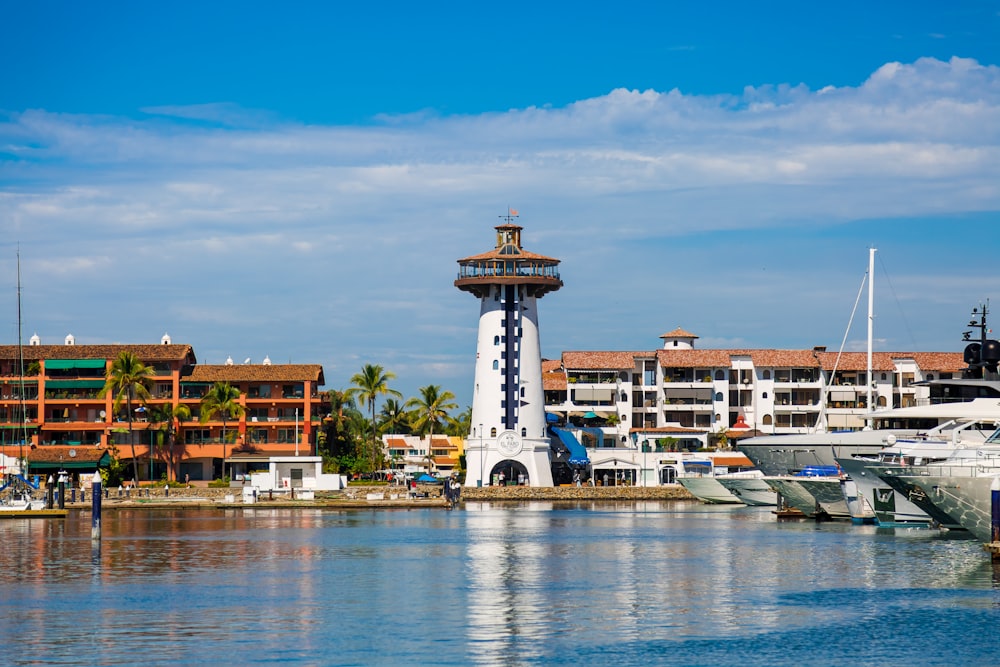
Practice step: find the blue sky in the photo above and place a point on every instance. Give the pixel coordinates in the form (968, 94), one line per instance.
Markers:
(296, 180)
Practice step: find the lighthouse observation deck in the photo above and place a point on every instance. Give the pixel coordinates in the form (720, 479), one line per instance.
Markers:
(508, 264)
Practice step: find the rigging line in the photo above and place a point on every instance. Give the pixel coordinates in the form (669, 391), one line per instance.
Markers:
(840, 352)
(902, 315)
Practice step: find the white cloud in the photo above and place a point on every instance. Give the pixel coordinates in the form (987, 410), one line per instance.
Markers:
(333, 244)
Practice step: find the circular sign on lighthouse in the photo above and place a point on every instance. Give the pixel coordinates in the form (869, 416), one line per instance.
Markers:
(509, 444)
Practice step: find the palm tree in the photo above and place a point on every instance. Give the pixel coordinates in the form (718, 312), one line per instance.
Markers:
(371, 382)
(429, 409)
(221, 400)
(393, 417)
(169, 418)
(128, 378)
(341, 439)
(461, 425)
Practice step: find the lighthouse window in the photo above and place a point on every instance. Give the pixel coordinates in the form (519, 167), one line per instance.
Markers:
(496, 340)
(496, 365)
(522, 392)
(524, 432)
(493, 432)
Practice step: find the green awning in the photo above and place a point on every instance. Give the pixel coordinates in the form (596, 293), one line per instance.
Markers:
(68, 364)
(74, 384)
(14, 427)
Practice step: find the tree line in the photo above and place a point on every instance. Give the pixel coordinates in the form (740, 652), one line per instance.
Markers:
(349, 440)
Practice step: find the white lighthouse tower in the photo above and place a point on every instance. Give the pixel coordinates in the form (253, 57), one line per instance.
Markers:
(508, 440)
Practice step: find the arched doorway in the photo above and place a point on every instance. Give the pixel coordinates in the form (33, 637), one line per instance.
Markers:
(514, 473)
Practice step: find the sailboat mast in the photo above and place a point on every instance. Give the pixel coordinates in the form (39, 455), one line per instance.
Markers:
(871, 319)
(22, 468)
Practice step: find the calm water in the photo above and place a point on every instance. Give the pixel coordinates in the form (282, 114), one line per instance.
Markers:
(621, 584)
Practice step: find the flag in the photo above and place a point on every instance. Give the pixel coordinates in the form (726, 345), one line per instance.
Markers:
(512, 211)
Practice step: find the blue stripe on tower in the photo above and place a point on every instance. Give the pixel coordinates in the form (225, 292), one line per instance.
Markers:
(510, 350)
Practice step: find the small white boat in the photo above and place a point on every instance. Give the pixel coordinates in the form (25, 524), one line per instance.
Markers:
(704, 478)
(21, 502)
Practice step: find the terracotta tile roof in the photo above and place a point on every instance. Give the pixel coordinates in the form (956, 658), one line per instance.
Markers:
(146, 353)
(396, 443)
(723, 358)
(256, 373)
(599, 360)
(693, 358)
(553, 375)
(678, 333)
(947, 362)
(781, 358)
(734, 459)
(58, 453)
(554, 381)
(551, 365)
(441, 442)
(856, 361)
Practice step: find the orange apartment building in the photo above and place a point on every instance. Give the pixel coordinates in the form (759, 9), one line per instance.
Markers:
(66, 424)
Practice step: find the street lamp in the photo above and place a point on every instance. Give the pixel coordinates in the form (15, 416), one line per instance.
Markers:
(645, 447)
(635, 444)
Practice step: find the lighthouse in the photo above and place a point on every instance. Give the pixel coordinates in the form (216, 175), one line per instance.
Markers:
(508, 442)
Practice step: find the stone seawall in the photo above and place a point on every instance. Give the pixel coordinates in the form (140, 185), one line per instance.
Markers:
(393, 495)
(521, 493)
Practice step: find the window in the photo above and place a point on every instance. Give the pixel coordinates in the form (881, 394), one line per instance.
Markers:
(496, 365)
(496, 340)
(259, 391)
(767, 375)
(493, 432)
(524, 432)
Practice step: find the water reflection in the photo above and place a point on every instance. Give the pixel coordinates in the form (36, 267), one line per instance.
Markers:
(494, 584)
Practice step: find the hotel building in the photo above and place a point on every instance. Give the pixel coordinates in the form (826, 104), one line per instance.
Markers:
(693, 396)
(53, 414)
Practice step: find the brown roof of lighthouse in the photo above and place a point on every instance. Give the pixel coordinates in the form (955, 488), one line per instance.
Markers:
(678, 333)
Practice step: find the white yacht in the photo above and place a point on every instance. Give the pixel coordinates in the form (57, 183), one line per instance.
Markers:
(955, 491)
(871, 498)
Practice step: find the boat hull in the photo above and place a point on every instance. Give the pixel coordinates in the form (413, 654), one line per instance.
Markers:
(708, 490)
(888, 506)
(750, 490)
(958, 492)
